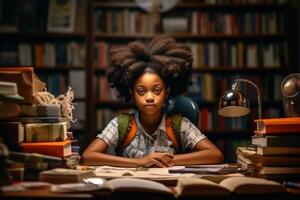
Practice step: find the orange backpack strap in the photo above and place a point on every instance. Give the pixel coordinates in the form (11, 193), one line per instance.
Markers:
(127, 128)
(173, 124)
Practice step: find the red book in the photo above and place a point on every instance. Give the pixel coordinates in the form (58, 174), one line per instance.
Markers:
(278, 126)
(59, 149)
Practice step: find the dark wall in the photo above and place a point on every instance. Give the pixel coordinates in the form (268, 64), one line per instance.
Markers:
(296, 5)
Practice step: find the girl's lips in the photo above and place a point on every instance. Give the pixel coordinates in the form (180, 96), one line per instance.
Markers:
(150, 105)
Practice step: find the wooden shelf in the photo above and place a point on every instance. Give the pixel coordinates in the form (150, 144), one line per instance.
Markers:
(24, 37)
(232, 6)
(192, 5)
(225, 70)
(188, 36)
(240, 70)
(57, 69)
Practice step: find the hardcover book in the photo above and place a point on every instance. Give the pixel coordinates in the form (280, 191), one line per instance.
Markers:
(50, 110)
(25, 78)
(59, 149)
(269, 151)
(276, 141)
(278, 126)
(63, 175)
(278, 151)
(46, 132)
(276, 160)
(238, 185)
(12, 132)
(116, 185)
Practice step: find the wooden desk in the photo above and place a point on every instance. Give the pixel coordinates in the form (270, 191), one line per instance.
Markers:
(42, 194)
(46, 194)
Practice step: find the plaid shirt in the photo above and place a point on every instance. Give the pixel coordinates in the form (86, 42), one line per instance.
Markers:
(144, 143)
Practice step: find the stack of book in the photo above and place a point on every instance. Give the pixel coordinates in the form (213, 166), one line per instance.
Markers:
(275, 149)
(45, 130)
(37, 129)
(24, 125)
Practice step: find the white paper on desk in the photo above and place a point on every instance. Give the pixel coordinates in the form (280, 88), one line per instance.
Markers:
(150, 173)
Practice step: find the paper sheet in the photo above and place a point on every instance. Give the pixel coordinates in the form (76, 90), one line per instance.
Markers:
(145, 173)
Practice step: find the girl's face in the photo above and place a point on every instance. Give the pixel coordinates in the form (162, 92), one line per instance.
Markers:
(149, 93)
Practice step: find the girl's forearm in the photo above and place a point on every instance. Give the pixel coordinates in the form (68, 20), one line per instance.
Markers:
(205, 156)
(96, 158)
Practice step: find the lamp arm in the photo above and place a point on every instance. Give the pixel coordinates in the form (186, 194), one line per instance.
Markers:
(258, 93)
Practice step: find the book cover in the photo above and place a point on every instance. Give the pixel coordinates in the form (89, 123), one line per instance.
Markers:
(46, 132)
(278, 151)
(116, 185)
(207, 169)
(64, 175)
(59, 149)
(278, 125)
(26, 80)
(276, 141)
(278, 170)
(239, 185)
(49, 110)
(275, 160)
(12, 132)
(268, 151)
(8, 88)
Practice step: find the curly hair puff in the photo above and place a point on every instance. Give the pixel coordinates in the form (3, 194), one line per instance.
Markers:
(170, 60)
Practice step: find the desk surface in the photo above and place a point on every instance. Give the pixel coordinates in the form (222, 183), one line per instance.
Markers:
(45, 193)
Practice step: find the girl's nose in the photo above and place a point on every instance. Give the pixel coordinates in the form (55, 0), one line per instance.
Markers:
(149, 97)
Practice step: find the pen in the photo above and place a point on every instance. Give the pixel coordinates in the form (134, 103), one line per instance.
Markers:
(290, 184)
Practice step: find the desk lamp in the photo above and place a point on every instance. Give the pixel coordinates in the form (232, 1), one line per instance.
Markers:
(234, 103)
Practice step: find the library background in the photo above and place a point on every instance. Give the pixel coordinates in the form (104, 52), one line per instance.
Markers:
(68, 45)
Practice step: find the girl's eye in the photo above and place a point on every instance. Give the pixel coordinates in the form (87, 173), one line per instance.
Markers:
(157, 90)
(141, 91)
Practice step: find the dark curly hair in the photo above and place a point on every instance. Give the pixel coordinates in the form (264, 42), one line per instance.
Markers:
(170, 60)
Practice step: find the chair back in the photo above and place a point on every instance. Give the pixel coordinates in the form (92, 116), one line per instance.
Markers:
(186, 106)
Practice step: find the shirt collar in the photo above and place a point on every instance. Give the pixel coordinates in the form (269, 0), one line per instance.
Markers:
(161, 126)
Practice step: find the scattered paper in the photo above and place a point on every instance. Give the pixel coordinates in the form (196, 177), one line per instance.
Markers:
(145, 173)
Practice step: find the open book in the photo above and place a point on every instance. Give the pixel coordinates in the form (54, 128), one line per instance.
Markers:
(240, 185)
(115, 185)
(227, 186)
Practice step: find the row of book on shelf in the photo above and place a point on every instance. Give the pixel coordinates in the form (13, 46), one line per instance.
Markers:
(238, 2)
(225, 54)
(27, 126)
(194, 22)
(203, 87)
(275, 149)
(47, 54)
(57, 82)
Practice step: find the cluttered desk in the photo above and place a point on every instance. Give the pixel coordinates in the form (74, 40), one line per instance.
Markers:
(178, 182)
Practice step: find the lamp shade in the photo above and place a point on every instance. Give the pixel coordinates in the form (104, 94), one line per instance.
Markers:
(233, 104)
(290, 89)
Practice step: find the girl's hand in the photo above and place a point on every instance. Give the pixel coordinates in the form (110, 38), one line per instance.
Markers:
(157, 159)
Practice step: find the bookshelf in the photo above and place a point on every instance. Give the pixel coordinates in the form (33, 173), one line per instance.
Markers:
(229, 40)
